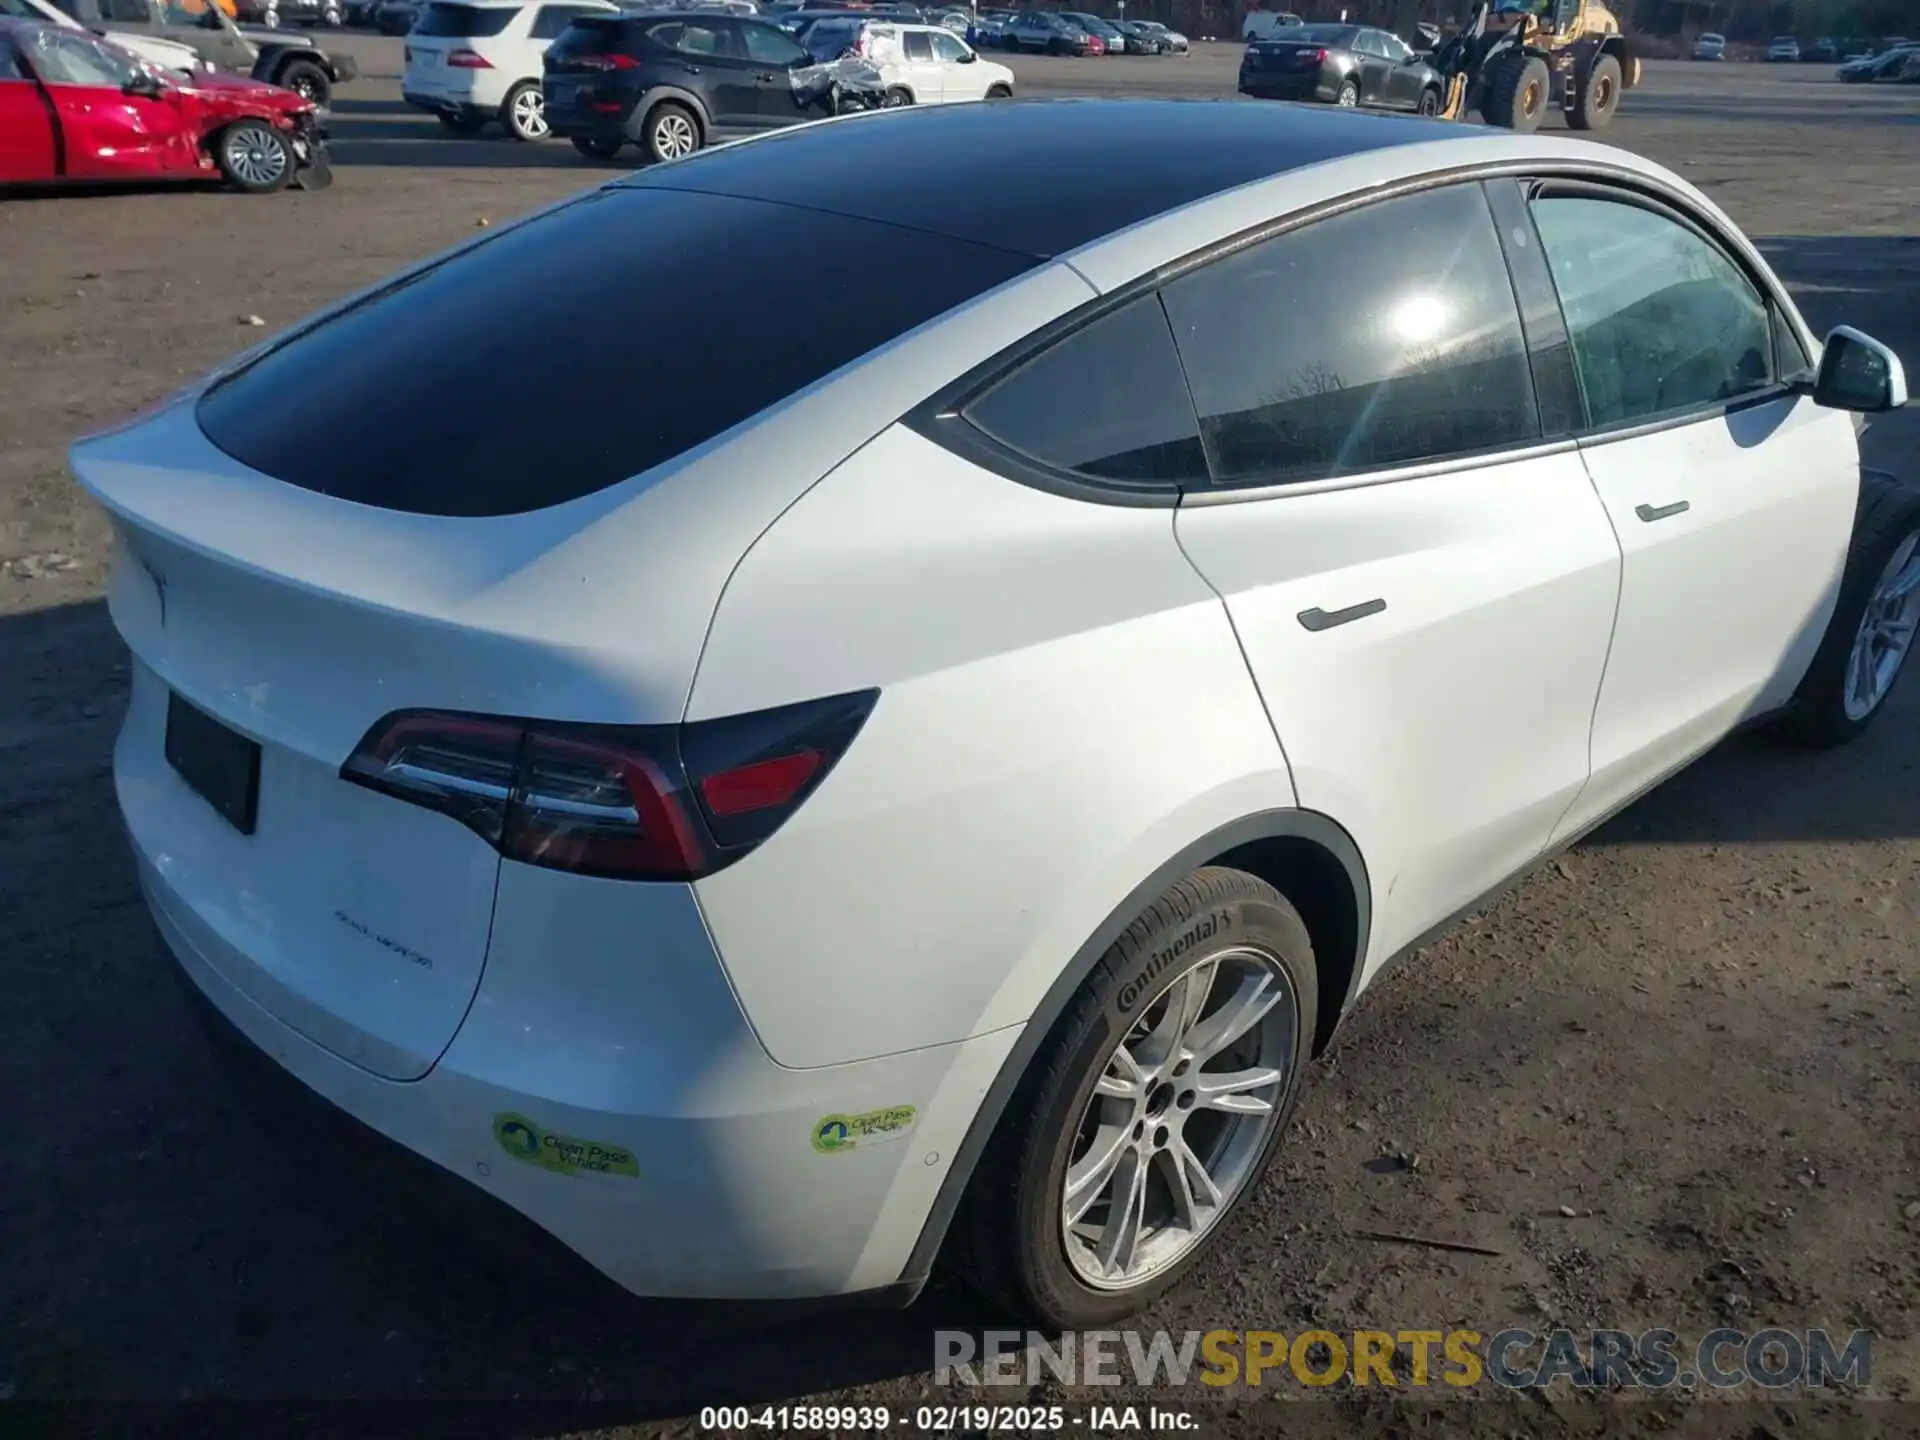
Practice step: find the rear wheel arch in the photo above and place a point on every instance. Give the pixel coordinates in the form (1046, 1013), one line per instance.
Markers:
(683, 98)
(1308, 857)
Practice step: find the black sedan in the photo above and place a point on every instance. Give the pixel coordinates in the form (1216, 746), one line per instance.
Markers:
(1341, 65)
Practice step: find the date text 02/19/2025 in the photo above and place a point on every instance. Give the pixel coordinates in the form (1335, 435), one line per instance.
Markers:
(942, 1419)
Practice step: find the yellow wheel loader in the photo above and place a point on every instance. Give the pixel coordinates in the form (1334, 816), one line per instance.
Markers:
(1514, 64)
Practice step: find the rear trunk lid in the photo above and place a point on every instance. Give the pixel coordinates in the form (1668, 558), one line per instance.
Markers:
(448, 37)
(1285, 55)
(295, 622)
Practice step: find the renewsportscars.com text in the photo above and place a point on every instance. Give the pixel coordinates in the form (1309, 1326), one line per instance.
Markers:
(1774, 1359)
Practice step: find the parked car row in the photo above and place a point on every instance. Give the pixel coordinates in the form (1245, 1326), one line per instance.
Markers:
(1787, 49)
(175, 37)
(78, 107)
(1074, 32)
(668, 81)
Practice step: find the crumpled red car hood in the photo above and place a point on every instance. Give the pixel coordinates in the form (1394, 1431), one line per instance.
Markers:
(221, 85)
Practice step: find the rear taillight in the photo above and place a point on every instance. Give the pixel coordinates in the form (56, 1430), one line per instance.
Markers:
(1312, 57)
(605, 62)
(468, 60)
(648, 802)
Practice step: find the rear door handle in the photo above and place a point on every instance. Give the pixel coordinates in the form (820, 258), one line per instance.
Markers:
(1650, 513)
(691, 69)
(1317, 619)
(763, 75)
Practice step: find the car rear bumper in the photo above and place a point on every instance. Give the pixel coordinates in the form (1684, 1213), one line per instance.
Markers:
(1263, 86)
(583, 125)
(609, 1089)
(445, 105)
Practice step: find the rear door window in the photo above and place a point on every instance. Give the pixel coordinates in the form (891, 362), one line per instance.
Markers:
(1106, 402)
(1660, 319)
(587, 345)
(769, 46)
(1383, 337)
(462, 22)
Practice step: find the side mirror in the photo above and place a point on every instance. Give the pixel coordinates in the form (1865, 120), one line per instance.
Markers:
(144, 86)
(1858, 373)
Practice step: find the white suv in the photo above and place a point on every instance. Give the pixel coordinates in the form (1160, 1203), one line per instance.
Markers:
(921, 716)
(474, 61)
(920, 64)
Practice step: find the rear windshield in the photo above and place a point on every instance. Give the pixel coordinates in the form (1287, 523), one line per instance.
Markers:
(592, 35)
(1341, 35)
(594, 342)
(463, 22)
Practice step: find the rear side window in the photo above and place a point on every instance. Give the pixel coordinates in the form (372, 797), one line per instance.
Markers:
(769, 46)
(919, 45)
(1385, 336)
(1661, 321)
(696, 37)
(1107, 402)
(589, 344)
(462, 22)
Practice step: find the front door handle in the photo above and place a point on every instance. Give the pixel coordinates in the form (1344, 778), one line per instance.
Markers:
(1317, 619)
(1650, 513)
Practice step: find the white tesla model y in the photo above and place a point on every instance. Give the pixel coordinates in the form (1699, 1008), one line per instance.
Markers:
(916, 713)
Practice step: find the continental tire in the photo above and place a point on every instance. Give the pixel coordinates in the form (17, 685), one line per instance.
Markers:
(1152, 1110)
(1599, 96)
(1516, 93)
(1871, 634)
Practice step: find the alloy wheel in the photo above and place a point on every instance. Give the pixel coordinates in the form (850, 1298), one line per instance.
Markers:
(256, 157)
(530, 115)
(673, 136)
(1349, 97)
(1886, 631)
(1186, 1104)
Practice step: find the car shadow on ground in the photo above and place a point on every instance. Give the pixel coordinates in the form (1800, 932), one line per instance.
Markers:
(410, 139)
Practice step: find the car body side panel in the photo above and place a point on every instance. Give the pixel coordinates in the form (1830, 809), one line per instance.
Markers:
(1447, 731)
(110, 136)
(1062, 706)
(1769, 491)
(29, 139)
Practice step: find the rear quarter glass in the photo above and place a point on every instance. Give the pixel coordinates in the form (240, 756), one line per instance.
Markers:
(641, 323)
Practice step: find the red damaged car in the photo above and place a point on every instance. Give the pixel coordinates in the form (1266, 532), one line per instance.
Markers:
(77, 108)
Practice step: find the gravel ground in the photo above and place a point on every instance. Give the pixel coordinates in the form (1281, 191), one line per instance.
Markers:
(1671, 1080)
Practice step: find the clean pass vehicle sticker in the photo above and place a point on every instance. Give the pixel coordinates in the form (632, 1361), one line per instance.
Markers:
(562, 1154)
(834, 1133)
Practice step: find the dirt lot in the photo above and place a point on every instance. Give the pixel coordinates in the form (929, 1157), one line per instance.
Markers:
(1672, 1081)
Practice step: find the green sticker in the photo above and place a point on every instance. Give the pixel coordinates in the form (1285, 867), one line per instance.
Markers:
(834, 1133)
(562, 1154)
